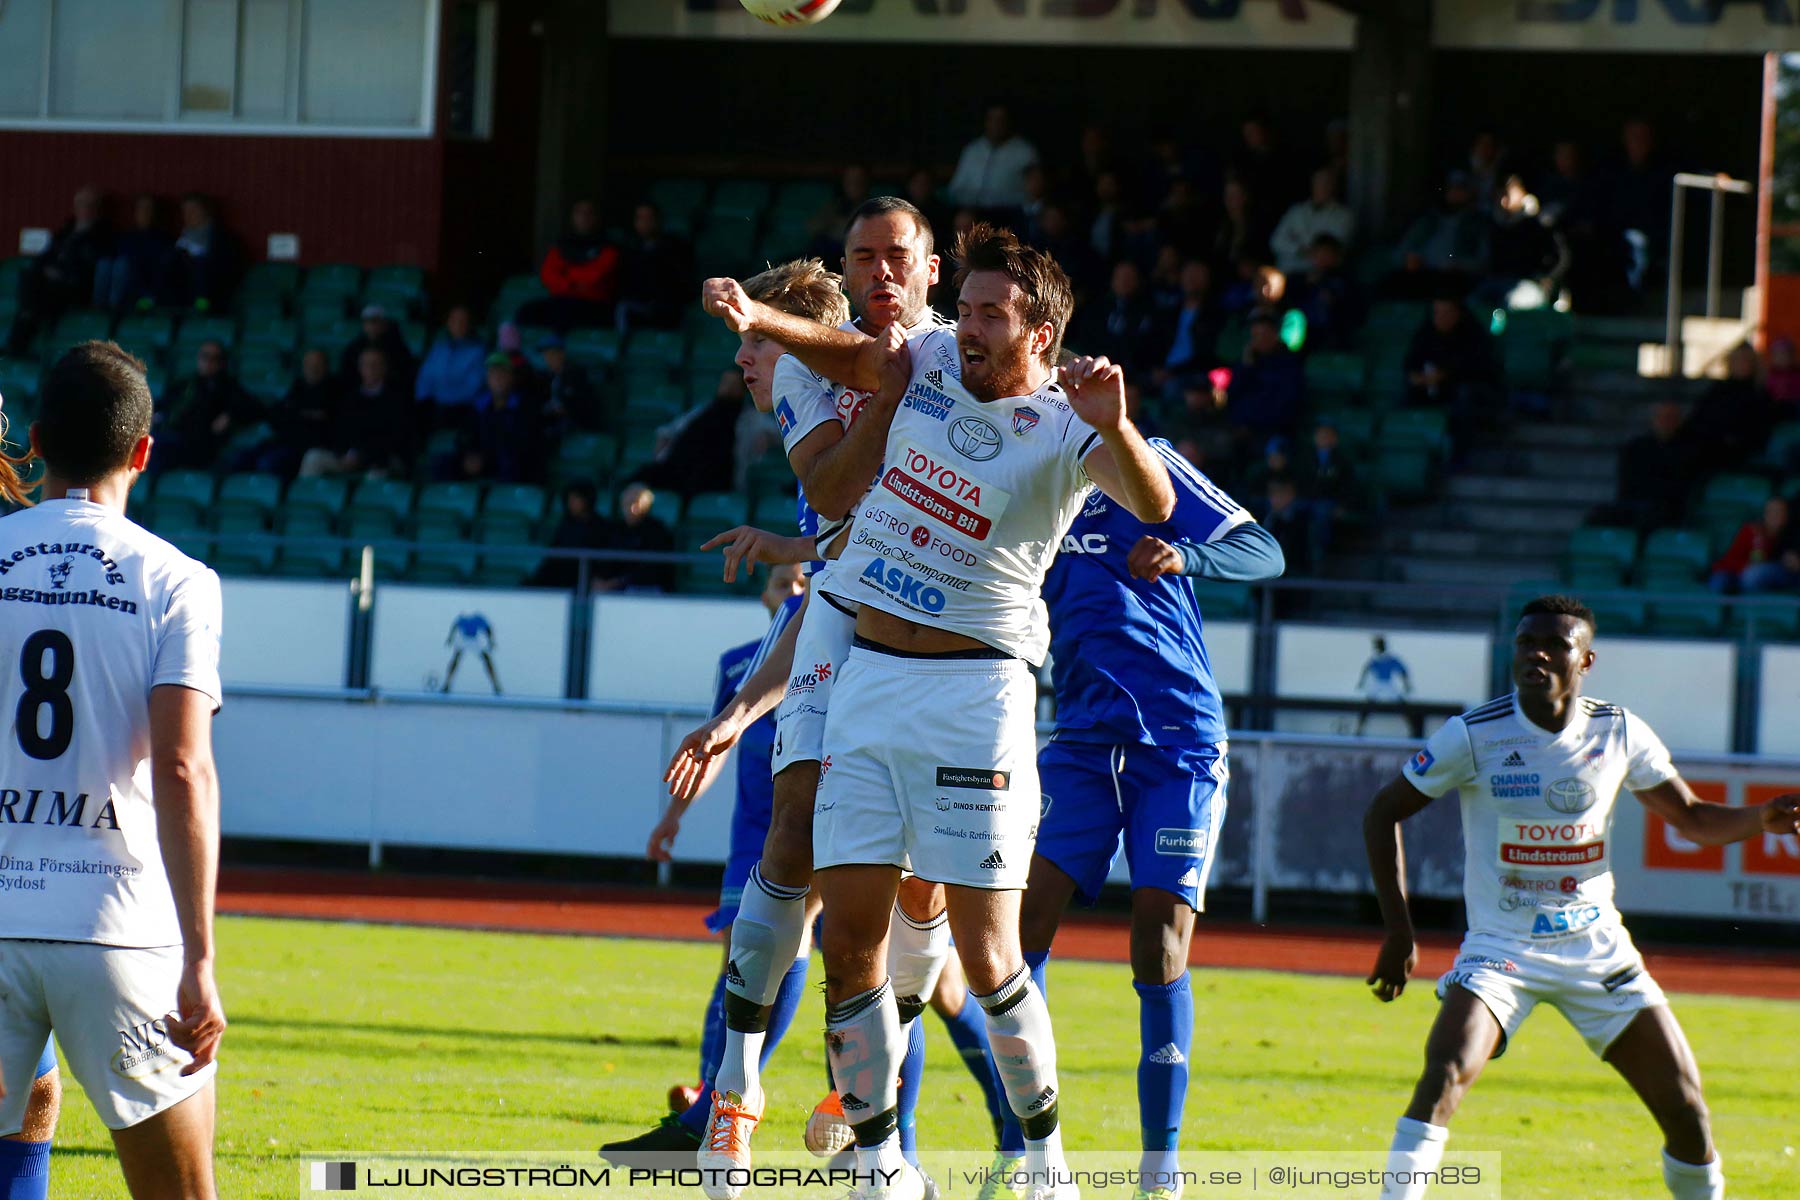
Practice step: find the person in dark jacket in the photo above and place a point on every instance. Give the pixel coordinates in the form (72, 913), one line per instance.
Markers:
(305, 418)
(379, 332)
(205, 411)
(62, 277)
(656, 274)
(581, 527)
(569, 401)
(695, 452)
(1327, 482)
(581, 273)
(128, 276)
(202, 268)
(1656, 472)
(1730, 422)
(1122, 324)
(374, 430)
(505, 429)
(1451, 365)
(636, 529)
(1267, 388)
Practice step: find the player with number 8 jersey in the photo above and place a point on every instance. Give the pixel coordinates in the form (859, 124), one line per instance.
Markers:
(109, 648)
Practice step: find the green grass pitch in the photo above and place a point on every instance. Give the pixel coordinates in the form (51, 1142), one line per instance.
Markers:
(351, 1037)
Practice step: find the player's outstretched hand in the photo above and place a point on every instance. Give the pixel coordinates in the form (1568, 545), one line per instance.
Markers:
(1096, 388)
(1152, 557)
(1393, 967)
(662, 838)
(727, 300)
(746, 545)
(1782, 814)
(198, 1021)
(698, 759)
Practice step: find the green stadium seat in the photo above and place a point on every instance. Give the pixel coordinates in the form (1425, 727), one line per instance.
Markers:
(197, 329)
(256, 494)
(517, 290)
(595, 349)
(1335, 374)
(679, 200)
(523, 501)
(73, 328)
(504, 529)
(1355, 428)
(158, 380)
(650, 408)
(803, 198)
(589, 449)
(1219, 599)
(1615, 548)
(451, 503)
(728, 244)
(1404, 472)
(1619, 612)
(1593, 574)
(392, 497)
(508, 566)
(784, 240)
(146, 329)
(443, 564)
(1673, 555)
(708, 579)
(1769, 620)
(1416, 429)
(1396, 318)
(244, 557)
(269, 333)
(318, 558)
(1697, 613)
(336, 280)
(1528, 362)
(320, 494)
(415, 335)
(313, 311)
(330, 336)
(745, 198)
(184, 493)
(192, 542)
(1783, 450)
(1732, 498)
(19, 379)
(270, 280)
(664, 347)
(138, 502)
(10, 270)
(721, 510)
(371, 525)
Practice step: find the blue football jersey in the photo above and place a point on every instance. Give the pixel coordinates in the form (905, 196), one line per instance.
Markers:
(1129, 663)
(738, 664)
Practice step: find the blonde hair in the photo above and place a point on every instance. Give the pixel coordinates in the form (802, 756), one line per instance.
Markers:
(13, 484)
(803, 287)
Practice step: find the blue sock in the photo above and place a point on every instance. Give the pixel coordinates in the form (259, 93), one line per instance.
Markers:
(1012, 1138)
(24, 1170)
(912, 1074)
(1165, 1034)
(787, 1003)
(968, 1032)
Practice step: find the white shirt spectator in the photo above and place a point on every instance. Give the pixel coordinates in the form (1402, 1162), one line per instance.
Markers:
(1294, 234)
(992, 174)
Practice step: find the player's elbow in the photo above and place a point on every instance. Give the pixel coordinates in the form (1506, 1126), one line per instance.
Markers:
(184, 776)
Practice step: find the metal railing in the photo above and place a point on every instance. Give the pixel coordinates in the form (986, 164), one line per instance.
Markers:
(1675, 347)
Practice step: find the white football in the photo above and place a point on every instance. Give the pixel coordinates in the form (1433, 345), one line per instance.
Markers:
(789, 12)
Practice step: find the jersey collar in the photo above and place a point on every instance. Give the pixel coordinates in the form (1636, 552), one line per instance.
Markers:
(1573, 731)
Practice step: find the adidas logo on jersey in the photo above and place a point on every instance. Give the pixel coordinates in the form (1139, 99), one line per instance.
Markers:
(1168, 1055)
(1515, 759)
(935, 379)
(993, 862)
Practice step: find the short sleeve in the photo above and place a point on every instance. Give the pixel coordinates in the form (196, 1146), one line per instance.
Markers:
(1446, 760)
(187, 647)
(1646, 758)
(1204, 512)
(803, 400)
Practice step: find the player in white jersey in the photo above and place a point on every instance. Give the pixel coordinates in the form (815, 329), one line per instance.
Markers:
(1537, 773)
(930, 734)
(109, 799)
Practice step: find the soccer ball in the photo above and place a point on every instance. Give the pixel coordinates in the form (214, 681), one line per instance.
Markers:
(789, 12)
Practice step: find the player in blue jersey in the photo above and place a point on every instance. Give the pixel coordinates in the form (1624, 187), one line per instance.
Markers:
(1139, 750)
(782, 596)
(25, 1155)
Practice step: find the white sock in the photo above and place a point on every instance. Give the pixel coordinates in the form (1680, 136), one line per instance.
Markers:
(862, 1040)
(766, 938)
(1417, 1150)
(1693, 1181)
(883, 1159)
(917, 952)
(1024, 1049)
(1044, 1157)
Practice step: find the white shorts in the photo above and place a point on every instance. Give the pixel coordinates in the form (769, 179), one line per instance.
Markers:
(931, 764)
(1597, 981)
(107, 1005)
(819, 652)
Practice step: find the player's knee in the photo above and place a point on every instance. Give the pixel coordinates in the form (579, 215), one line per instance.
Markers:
(1447, 1078)
(1158, 955)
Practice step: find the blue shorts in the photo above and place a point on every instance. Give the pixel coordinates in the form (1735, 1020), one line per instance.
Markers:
(1167, 801)
(750, 818)
(47, 1060)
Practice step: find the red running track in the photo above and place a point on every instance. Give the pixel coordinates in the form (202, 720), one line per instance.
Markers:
(622, 912)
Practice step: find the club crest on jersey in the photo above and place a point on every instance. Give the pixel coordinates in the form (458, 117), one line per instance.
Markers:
(974, 438)
(1024, 421)
(59, 573)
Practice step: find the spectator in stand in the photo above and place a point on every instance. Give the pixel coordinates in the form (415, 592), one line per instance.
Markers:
(1300, 227)
(202, 268)
(1165, 283)
(1241, 233)
(695, 451)
(304, 419)
(1451, 365)
(1731, 420)
(1097, 159)
(205, 411)
(62, 277)
(1763, 557)
(1183, 221)
(1267, 388)
(1115, 231)
(922, 191)
(1486, 172)
(380, 332)
(581, 527)
(825, 228)
(1639, 202)
(1191, 335)
(1282, 514)
(1276, 463)
(1656, 472)
(1062, 242)
(1574, 204)
(656, 274)
(581, 273)
(452, 374)
(1327, 482)
(127, 278)
(1037, 198)
(1258, 288)
(990, 174)
(569, 400)
(635, 530)
(1529, 257)
(1570, 196)
(1337, 147)
(1122, 324)
(1783, 379)
(504, 428)
(1446, 249)
(1328, 296)
(1256, 165)
(375, 427)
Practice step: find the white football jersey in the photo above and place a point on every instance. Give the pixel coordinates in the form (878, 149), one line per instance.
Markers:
(94, 612)
(805, 400)
(1537, 811)
(972, 504)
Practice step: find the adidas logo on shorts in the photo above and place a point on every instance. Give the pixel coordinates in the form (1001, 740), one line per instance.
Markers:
(1515, 759)
(731, 973)
(1168, 1055)
(993, 862)
(1189, 878)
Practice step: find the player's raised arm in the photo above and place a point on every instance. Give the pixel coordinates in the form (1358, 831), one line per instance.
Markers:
(1718, 824)
(841, 355)
(746, 545)
(1123, 465)
(835, 476)
(185, 787)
